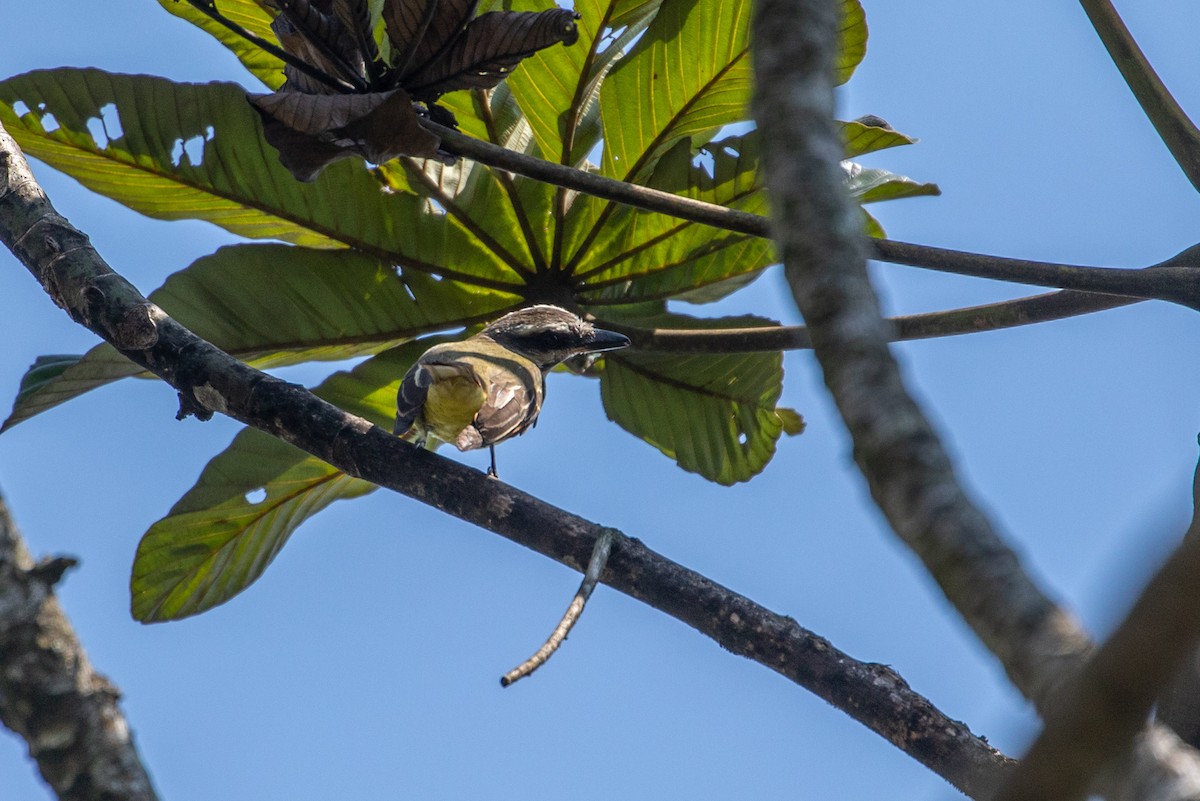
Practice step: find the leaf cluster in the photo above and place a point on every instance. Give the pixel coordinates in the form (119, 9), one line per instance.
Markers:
(369, 258)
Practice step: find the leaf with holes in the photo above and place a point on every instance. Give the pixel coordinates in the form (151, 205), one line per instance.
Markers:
(715, 415)
(669, 75)
(195, 151)
(220, 537)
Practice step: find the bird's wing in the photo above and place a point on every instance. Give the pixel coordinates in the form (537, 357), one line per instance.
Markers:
(411, 397)
(512, 404)
(414, 389)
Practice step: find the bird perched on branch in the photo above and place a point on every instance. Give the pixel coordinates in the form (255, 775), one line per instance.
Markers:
(490, 387)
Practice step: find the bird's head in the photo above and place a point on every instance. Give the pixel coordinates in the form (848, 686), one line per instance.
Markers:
(546, 335)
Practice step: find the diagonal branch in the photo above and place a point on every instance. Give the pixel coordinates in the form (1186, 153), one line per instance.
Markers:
(50, 695)
(209, 380)
(908, 471)
(1107, 704)
(1174, 127)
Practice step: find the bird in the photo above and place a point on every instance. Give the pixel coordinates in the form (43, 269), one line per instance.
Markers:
(490, 387)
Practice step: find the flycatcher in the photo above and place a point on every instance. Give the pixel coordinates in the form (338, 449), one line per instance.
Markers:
(490, 387)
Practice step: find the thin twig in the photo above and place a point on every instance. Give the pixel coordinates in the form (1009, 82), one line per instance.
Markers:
(910, 475)
(64, 262)
(1174, 126)
(591, 578)
(970, 320)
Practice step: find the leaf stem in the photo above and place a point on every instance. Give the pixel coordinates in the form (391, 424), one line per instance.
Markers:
(466, 220)
(975, 319)
(483, 106)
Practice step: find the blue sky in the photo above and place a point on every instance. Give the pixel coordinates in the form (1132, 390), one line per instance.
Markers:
(365, 663)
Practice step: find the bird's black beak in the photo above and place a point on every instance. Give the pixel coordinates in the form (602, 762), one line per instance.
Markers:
(606, 340)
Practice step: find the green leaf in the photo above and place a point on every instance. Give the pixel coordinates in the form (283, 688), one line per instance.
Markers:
(710, 39)
(200, 557)
(854, 40)
(715, 415)
(56, 379)
(196, 151)
(275, 305)
(558, 89)
(252, 15)
(221, 535)
(278, 304)
(869, 134)
(642, 256)
(869, 185)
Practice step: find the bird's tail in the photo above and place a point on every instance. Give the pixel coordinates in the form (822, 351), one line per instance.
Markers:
(419, 436)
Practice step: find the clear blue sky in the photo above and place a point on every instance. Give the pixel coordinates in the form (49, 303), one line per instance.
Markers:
(365, 663)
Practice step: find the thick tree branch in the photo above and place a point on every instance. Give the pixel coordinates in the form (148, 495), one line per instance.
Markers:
(1174, 127)
(209, 380)
(907, 469)
(50, 696)
(1107, 704)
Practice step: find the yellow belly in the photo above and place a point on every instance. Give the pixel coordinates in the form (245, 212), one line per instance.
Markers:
(451, 405)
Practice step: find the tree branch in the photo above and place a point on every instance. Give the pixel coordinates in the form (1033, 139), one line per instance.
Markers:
(1176, 280)
(1174, 127)
(970, 320)
(1107, 703)
(50, 695)
(908, 471)
(211, 381)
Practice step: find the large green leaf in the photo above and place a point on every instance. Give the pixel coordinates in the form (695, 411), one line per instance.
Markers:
(715, 415)
(253, 16)
(558, 89)
(196, 151)
(691, 72)
(274, 305)
(650, 256)
(221, 535)
(668, 75)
